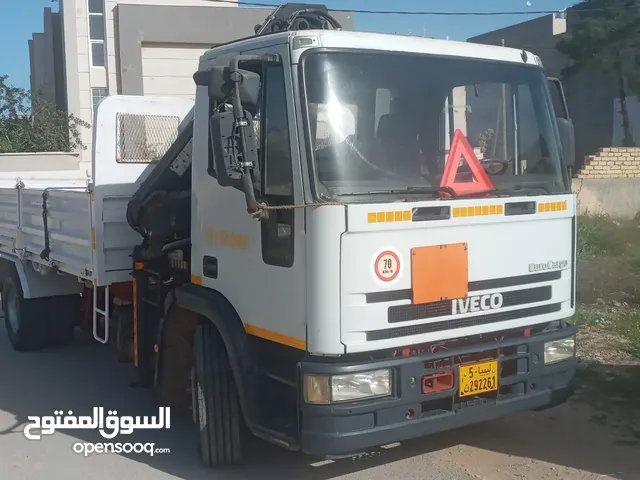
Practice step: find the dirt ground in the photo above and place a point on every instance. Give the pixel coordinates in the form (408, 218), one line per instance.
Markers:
(566, 442)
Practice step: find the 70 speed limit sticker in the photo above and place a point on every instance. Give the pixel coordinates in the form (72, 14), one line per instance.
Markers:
(387, 266)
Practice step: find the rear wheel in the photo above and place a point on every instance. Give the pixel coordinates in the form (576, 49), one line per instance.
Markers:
(217, 410)
(24, 319)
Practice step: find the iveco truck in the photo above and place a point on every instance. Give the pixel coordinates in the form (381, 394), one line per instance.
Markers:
(352, 239)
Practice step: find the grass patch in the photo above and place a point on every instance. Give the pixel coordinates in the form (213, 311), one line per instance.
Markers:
(608, 312)
(588, 315)
(599, 235)
(608, 260)
(609, 344)
(628, 325)
(618, 326)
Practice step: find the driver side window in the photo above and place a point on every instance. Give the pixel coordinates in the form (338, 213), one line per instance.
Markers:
(275, 151)
(276, 169)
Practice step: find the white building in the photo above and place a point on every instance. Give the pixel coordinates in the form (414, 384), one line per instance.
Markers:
(94, 48)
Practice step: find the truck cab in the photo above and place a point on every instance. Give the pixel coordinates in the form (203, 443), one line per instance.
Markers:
(364, 238)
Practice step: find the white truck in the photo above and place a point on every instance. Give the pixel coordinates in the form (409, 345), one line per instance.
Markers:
(354, 239)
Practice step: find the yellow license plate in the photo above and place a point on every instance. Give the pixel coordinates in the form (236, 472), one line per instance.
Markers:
(478, 378)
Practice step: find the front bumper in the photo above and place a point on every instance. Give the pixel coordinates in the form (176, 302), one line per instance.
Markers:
(525, 383)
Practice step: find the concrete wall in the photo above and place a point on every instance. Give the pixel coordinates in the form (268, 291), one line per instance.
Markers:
(616, 197)
(85, 76)
(71, 64)
(167, 68)
(34, 162)
(609, 183)
(114, 16)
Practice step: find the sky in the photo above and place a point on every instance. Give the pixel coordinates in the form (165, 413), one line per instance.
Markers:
(24, 17)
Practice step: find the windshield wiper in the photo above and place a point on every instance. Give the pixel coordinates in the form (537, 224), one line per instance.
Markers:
(412, 190)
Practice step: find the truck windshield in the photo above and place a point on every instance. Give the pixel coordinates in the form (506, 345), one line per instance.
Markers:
(383, 123)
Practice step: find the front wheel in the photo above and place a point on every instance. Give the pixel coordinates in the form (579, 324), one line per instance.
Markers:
(24, 319)
(217, 410)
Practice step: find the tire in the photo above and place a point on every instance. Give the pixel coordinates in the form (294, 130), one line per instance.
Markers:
(24, 319)
(194, 396)
(63, 314)
(218, 413)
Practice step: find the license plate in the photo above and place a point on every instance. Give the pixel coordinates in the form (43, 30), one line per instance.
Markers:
(478, 378)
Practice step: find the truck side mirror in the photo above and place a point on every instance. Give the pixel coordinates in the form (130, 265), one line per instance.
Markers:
(565, 124)
(231, 133)
(568, 141)
(227, 152)
(220, 87)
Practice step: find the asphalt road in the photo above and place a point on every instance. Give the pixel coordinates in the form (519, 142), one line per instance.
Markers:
(559, 444)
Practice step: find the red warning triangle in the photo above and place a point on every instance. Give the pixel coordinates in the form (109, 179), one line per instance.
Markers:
(460, 146)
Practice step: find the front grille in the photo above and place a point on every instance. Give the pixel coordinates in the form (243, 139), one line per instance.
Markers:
(461, 322)
(407, 313)
(490, 284)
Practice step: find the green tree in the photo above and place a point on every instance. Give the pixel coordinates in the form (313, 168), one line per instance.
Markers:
(607, 36)
(29, 123)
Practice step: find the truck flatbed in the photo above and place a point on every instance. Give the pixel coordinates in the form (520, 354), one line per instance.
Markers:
(57, 221)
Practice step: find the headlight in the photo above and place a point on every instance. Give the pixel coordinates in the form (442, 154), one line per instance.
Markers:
(324, 389)
(558, 350)
(360, 385)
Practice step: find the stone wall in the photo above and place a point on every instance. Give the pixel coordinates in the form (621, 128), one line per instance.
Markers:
(612, 162)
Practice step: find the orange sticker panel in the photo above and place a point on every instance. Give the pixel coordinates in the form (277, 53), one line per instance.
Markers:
(439, 272)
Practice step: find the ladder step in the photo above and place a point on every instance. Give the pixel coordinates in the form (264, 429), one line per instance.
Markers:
(104, 313)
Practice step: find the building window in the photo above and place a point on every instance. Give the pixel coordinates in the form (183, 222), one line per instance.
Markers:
(96, 32)
(97, 95)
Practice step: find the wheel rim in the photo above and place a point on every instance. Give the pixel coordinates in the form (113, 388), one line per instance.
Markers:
(12, 308)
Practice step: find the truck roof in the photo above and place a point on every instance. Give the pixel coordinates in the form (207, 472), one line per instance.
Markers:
(381, 42)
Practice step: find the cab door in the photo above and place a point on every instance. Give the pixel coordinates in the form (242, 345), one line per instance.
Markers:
(258, 266)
